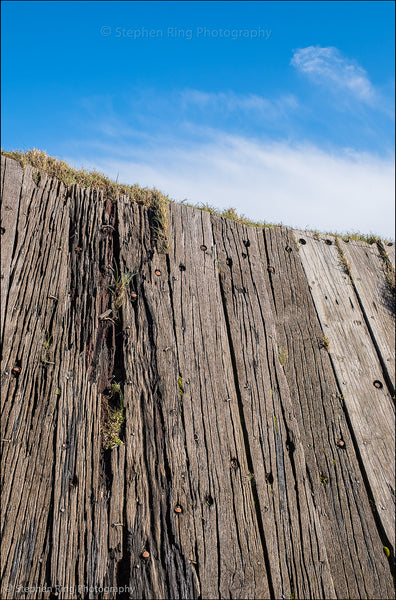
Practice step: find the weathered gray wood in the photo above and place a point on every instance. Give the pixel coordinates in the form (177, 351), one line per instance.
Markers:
(346, 518)
(225, 479)
(390, 250)
(370, 410)
(293, 535)
(54, 516)
(367, 270)
(11, 180)
(189, 409)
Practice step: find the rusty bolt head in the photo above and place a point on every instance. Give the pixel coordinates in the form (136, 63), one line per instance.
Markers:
(178, 509)
(271, 269)
(16, 371)
(133, 296)
(340, 443)
(78, 249)
(203, 247)
(145, 554)
(378, 384)
(157, 272)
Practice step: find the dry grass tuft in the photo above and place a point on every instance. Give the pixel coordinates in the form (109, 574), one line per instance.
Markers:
(58, 169)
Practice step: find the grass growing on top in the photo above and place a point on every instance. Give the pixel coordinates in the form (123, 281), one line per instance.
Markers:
(231, 213)
(361, 237)
(59, 169)
(92, 179)
(152, 198)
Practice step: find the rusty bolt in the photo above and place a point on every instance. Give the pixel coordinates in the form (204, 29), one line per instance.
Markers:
(340, 443)
(157, 272)
(16, 370)
(271, 269)
(78, 249)
(178, 509)
(203, 247)
(145, 554)
(133, 296)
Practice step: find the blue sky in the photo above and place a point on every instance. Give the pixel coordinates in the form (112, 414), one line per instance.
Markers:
(283, 110)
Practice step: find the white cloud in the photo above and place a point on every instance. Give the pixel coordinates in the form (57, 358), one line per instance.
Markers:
(300, 186)
(232, 102)
(329, 67)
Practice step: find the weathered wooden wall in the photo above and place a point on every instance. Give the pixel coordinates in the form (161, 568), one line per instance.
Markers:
(258, 453)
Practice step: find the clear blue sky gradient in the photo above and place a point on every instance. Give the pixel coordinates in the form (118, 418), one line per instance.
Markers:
(79, 83)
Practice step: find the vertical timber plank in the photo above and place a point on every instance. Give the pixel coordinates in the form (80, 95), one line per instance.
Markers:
(370, 408)
(55, 504)
(186, 423)
(11, 183)
(367, 270)
(338, 489)
(291, 528)
(390, 250)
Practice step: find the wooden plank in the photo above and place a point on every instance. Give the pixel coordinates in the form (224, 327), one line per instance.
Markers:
(27, 426)
(183, 425)
(349, 529)
(370, 409)
(367, 270)
(11, 180)
(218, 469)
(290, 520)
(390, 250)
(56, 515)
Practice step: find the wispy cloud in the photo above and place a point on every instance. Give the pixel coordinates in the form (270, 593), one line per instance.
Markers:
(301, 186)
(245, 103)
(329, 67)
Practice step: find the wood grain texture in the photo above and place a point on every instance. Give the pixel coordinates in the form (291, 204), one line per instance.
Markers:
(55, 498)
(183, 419)
(334, 473)
(11, 182)
(376, 298)
(390, 250)
(357, 366)
(225, 479)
